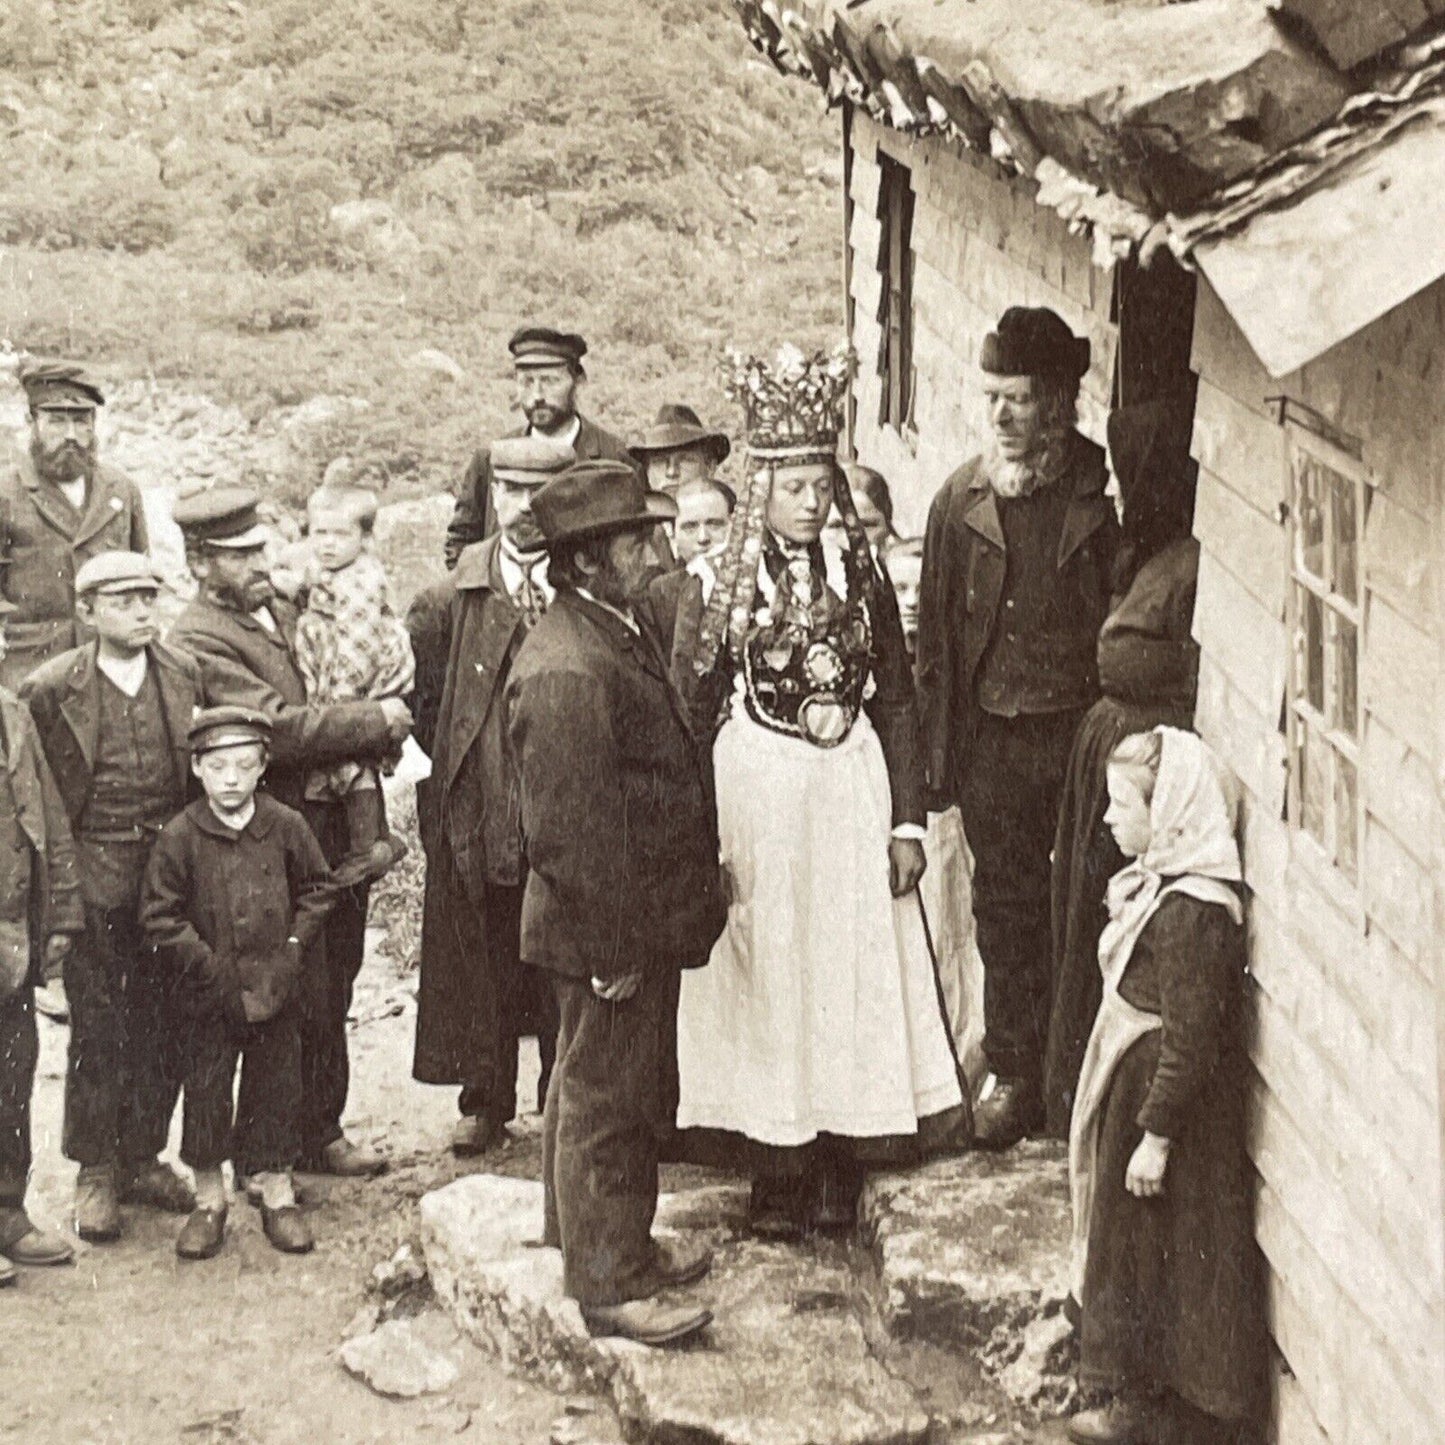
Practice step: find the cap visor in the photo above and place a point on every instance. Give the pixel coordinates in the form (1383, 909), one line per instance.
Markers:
(252, 537)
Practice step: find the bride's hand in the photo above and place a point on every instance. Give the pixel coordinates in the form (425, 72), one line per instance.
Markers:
(906, 862)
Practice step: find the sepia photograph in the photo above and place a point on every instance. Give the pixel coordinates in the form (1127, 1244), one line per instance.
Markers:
(722, 722)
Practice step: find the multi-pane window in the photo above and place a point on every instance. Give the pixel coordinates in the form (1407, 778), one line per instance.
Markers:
(1326, 614)
(895, 303)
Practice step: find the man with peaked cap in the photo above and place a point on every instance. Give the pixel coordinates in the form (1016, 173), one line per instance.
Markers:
(623, 891)
(1016, 580)
(112, 716)
(39, 916)
(547, 366)
(243, 636)
(677, 448)
(59, 504)
(475, 997)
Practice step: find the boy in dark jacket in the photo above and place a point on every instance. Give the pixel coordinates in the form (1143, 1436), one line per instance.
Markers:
(235, 891)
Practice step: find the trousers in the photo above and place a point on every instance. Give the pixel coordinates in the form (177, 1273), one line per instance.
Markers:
(604, 1117)
(123, 1068)
(522, 1003)
(330, 971)
(258, 1126)
(19, 1055)
(1013, 783)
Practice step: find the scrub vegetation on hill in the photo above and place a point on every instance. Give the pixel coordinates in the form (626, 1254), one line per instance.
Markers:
(270, 200)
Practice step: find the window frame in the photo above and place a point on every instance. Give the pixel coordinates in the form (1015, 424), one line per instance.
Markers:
(1306, 723)
(896, 209)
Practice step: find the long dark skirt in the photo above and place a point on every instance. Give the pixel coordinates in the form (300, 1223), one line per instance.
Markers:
(1085, 858)
(1173, 1286)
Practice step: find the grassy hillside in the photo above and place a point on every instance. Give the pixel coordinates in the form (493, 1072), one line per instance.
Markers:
(625, 166)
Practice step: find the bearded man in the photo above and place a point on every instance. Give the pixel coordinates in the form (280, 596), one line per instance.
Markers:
(1015, 587)
(59, 506)
(548, 370)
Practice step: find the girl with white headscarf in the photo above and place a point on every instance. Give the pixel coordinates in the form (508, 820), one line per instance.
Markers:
(1166, 1271)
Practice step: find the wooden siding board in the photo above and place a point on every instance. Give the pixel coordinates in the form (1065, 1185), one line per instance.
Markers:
(1254, 547)
(1241, 447)
(1399, 791)
(1400, 661)
(1223, 358)
(1399, 559)
(1241, 637)
(1239, 732)
(1397, 892)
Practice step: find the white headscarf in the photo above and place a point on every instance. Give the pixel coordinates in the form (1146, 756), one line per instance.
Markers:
(1191, 844)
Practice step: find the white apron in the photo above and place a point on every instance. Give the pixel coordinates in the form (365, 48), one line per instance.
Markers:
(818, 1011)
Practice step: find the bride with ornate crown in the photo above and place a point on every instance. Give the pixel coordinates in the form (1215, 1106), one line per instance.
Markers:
(815, 1034)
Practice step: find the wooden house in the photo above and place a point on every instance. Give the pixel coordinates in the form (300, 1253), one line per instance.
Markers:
(1249, 199)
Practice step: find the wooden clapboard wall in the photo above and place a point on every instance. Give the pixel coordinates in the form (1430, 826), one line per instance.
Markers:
(979, 245)
(1345, 1128)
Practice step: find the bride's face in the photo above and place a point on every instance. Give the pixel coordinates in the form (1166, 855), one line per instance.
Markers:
(799, 501)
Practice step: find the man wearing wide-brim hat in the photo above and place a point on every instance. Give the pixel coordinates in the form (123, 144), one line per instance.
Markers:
(677, 448)
(40, 915)
(622, 894)
(549, 374)
(1017, 564)
(243, 636)
(59, 505)
(112, 716)
(475, 998)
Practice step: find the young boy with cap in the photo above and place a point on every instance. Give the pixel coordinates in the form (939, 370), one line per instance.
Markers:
(39, 915)
(236, 890)
(112, 716)
(351, 646)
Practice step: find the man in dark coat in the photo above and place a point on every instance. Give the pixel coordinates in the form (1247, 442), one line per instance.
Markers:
(623, 892)
(39, 917)
(475, 997)
(244, 639)
(1016, 581)
(112, 716)
(548, 368)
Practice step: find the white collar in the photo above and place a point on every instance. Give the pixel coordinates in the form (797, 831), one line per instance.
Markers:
(264, 616)
(515, 572)
(74, 492)
(626, 617)
(127, 674)
(567, 438)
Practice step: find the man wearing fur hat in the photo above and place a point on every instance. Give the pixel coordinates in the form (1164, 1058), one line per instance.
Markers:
(1015, 587)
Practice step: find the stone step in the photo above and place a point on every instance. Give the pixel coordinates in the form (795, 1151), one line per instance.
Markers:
(785, 1363)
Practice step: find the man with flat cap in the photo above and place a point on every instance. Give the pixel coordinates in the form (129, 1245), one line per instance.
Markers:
(623, 892)
(476, 998)
(1016, 580)
(243, 636)
(548, 369)
(112, 715)
(59, 505)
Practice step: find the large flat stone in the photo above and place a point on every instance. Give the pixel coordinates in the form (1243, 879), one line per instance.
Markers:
(970, 1246)
(785, 1363)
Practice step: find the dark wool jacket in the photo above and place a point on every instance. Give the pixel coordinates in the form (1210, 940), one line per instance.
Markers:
(43, 542)
(219, 906)
(244, 664)
(473, 518)
(48, 898)
(617, 818)
(962, 587)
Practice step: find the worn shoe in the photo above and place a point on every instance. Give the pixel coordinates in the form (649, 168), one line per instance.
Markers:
(8, 1273)
(348, 1161)
(51, 1001)
(647, 1321)
(202, 1234)
(675, 1263)
(249, 1185)
(158, 1186)
(1009, 1111)
(287, 1229)
(97, 1211)
(39, 1248)
(1125, 1420)
(777, 1209)
(473, 1134)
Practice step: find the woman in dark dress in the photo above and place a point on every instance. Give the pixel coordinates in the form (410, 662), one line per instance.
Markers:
(1148, 670)
(1165, 1267)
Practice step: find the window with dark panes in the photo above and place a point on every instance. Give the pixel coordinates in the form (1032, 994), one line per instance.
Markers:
(895, 303)
(1329, 499)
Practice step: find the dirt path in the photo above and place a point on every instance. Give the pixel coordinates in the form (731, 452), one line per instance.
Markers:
(133, 1347)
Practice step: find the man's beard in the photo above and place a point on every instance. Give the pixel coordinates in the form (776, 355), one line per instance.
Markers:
(606, 585)
(68, 462)
(1022, 476)
(544, 417)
